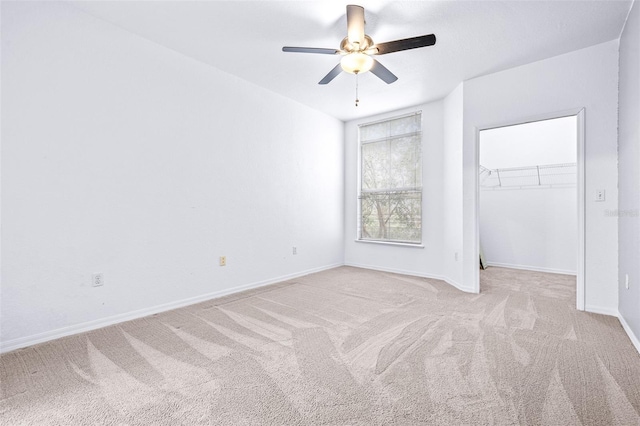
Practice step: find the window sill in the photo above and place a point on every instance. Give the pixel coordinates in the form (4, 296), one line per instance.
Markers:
(390, 243)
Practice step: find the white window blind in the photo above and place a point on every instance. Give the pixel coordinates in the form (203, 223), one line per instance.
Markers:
(391, 180)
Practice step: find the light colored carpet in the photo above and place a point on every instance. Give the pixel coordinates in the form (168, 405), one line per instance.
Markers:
(342, 347)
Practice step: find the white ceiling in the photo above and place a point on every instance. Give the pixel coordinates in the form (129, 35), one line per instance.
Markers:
(474, 38)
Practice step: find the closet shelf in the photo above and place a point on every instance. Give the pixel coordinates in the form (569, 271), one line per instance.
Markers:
(541, 176)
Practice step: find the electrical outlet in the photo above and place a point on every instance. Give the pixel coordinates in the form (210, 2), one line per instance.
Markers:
(223, 260)
(626, 281)
(295, 250)
(97, 279)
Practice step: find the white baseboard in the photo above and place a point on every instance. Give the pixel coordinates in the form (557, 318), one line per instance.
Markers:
(601, 310)
(412, 273)
(22, 342)
(532, 268)
(634, 339)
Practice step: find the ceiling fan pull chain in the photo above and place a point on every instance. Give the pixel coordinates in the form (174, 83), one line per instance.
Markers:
(357, 100)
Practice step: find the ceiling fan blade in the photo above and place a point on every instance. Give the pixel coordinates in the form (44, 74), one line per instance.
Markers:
(355, 24)
(332, 74)
(382, 72)
(310, 50)
(405, 44)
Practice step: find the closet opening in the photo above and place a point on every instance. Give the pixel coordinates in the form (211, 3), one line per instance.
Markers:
(530, 199)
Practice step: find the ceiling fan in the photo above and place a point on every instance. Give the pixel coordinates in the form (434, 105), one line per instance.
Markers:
(357, 49)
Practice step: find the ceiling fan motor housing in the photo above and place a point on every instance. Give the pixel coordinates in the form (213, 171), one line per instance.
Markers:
(345, 46)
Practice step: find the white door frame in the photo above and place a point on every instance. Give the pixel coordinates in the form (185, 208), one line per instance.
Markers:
(579, 113)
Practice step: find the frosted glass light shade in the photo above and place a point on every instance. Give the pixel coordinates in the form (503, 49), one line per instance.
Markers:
(356, 63)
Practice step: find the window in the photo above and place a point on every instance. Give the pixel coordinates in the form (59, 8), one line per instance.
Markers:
(391, 180)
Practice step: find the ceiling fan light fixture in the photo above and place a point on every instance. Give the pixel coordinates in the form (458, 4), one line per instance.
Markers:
(356, 63)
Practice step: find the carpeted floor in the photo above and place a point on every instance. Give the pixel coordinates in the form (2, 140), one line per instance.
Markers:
(342, 347)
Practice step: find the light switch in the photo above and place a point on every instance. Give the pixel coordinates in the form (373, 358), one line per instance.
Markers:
(599, 194)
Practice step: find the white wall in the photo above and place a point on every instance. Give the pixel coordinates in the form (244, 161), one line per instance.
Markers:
(629, 172)
(533, 228)
(452, 242)
(586, 79)
(530, 144)
(404, 259)
(123, 157)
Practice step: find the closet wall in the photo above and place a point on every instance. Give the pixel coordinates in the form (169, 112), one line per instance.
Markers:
(528, 196)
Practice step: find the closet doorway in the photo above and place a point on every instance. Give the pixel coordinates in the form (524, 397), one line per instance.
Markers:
(529, 194)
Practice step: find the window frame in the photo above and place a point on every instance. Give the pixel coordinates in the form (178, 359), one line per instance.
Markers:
(360, 170)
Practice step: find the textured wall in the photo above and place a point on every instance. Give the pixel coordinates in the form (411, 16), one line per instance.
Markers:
(629, 171)
(124, 157)
(586, 79)
(419, 261)
(533, 228)
(452, 241)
